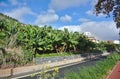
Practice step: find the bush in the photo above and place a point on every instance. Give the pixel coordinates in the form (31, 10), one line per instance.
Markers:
(27, 56)
(98, 71)
(12, 59)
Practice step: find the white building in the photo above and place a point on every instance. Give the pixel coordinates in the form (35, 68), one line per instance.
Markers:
(90, 36)
(116, 42)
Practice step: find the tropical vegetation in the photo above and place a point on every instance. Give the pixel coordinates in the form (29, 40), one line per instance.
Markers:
(99, 71)
(20, 43)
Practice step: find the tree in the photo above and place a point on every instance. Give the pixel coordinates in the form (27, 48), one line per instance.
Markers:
(8, 32)
(101, 46)
(110, 47)
(107, 6)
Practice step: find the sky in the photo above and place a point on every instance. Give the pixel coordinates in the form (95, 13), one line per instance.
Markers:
(76, 15)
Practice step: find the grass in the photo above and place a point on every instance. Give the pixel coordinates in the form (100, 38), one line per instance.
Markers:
(53, 54)
(99, 71)
(65, 54)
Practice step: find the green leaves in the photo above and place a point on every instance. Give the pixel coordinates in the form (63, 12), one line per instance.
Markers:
(40, 48)
(106, 7)
(42, 38)
(99, 71)
(2, 34)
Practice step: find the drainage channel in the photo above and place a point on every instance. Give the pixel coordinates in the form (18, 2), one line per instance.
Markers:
(65, 69)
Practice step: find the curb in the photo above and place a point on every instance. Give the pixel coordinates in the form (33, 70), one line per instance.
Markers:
(112, 70)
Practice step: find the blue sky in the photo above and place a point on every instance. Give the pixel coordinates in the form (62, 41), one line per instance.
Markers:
(76, 15)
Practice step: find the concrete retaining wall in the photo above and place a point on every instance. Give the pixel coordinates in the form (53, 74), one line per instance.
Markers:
(27, 69)
(41, 63)
(55, 59)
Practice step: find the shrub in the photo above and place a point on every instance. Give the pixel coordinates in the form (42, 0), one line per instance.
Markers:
(98, 71)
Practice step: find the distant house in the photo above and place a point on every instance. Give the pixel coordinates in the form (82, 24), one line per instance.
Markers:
(90, 36)
(116, 42)
(92, 39)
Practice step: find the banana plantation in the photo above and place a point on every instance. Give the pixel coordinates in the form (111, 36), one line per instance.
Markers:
(19, 43)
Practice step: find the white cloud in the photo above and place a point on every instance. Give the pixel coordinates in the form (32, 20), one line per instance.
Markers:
(105, 30)
(19, 13)
(84, 20)
(47, 17)
(66, 18)
(13, 2)
(63, 4)
(92, 13)
(94, 2)
(71, 28)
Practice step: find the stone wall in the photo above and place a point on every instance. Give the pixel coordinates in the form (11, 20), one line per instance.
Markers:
(62, 58)
(55, 59)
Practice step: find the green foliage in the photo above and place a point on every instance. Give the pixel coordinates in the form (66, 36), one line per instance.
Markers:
(53, 54)
(42, 40)
(106, 7)
(27, 56)
(2, 16)
(98, 71)
(15, 59)
(110, 47)
(107, 46)
(43, 74)
(45, 39)
(85, 44)
(101, 46)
